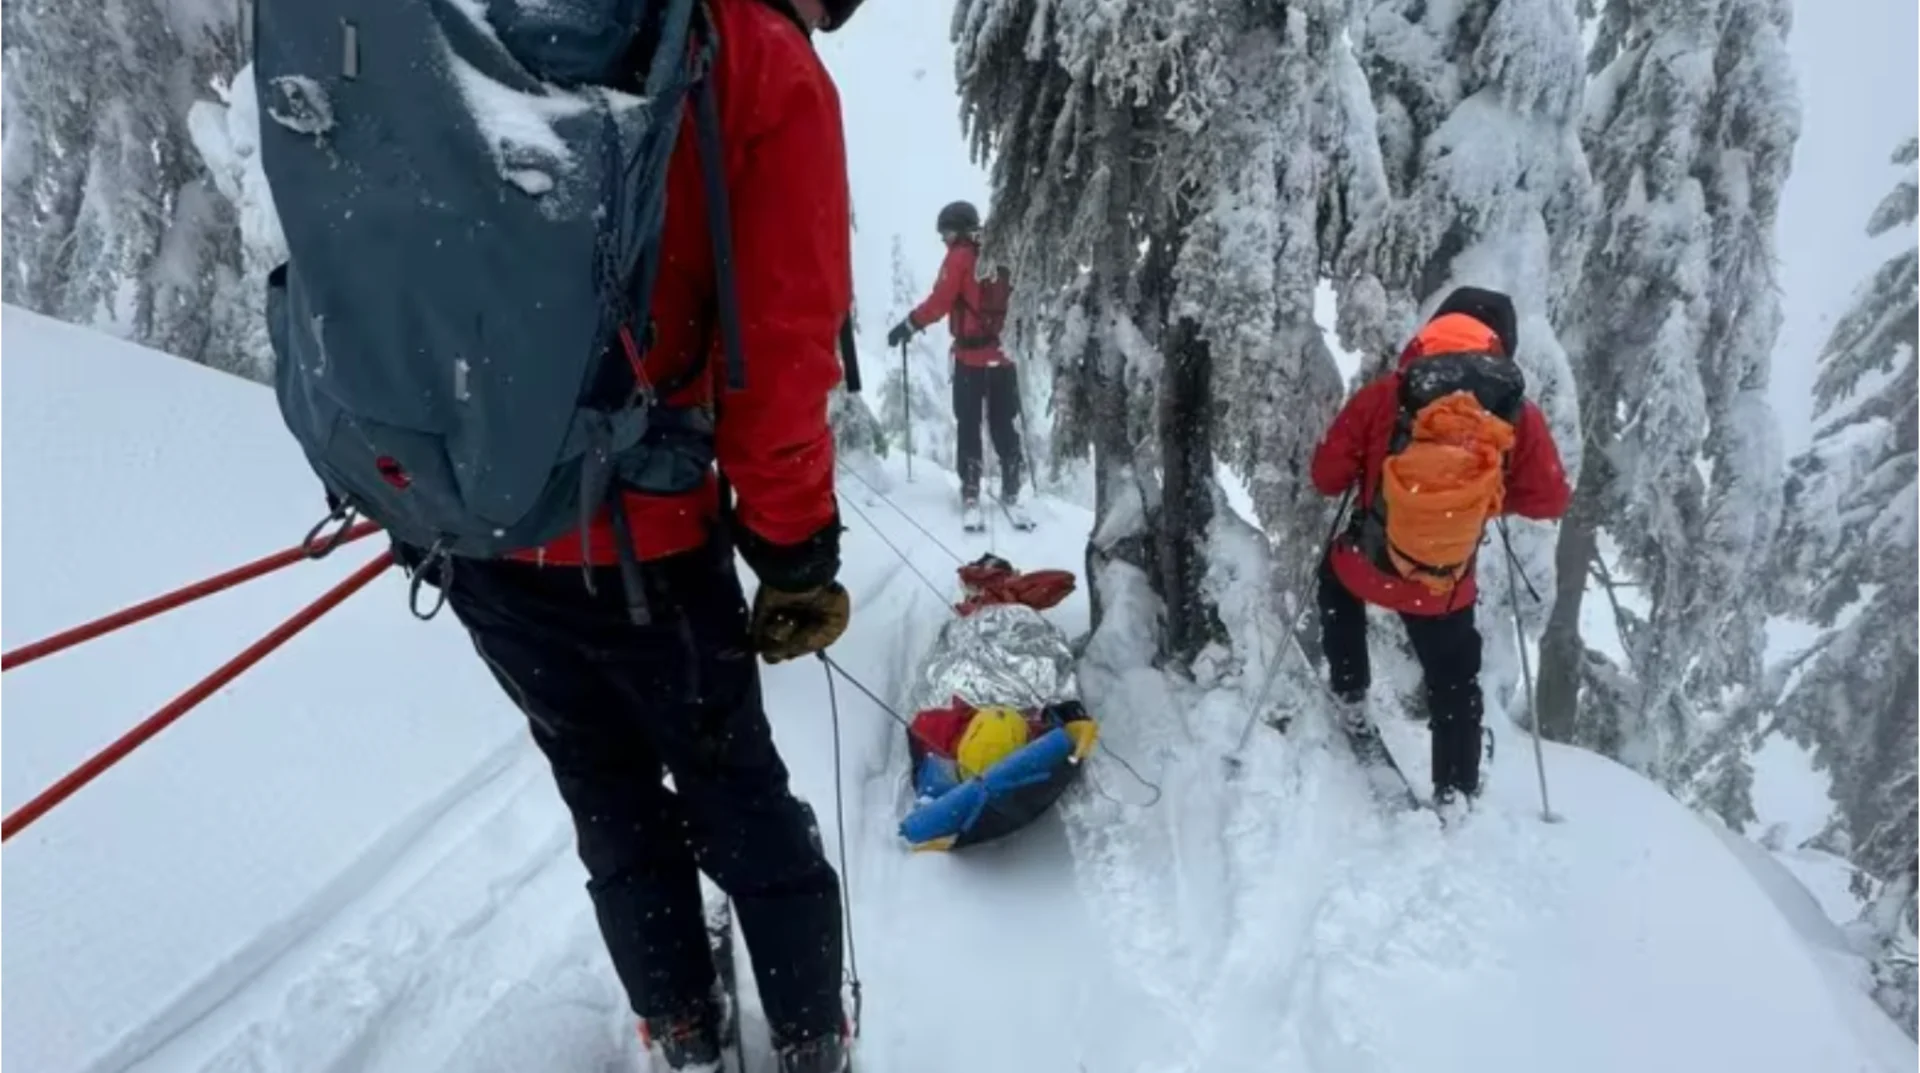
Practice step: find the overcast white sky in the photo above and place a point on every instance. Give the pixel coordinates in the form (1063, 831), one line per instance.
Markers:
(1858, 65)
(894, 67)
(1855, 61)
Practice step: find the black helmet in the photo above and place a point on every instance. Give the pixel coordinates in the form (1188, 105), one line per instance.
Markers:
(837, 12)
(959, 218)
(1491, 308)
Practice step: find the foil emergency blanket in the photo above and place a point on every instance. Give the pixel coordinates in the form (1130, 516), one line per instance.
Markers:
(1003, 654)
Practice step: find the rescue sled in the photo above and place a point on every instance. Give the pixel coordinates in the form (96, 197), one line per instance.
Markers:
(1010, 735)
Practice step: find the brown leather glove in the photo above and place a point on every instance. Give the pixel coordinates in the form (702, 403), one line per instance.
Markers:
(787, 625)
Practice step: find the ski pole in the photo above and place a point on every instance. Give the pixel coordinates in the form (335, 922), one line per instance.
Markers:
(1293, 639)
(98, 763)
(906, 408)
(1526, 671)
(1253, 716)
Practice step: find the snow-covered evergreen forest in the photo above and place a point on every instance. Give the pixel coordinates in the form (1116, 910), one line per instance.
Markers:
(1221, 218)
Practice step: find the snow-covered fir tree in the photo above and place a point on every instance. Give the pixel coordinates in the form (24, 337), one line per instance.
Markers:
(1849, 553)
(1478, 124)
(856, 431)
(855, 428)
(1290, 173)
(1158, 180)
(226, 135)
(1885, 933)
(111, 220)
(1690, 128)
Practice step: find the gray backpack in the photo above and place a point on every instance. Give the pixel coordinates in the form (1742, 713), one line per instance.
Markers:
(472, 193)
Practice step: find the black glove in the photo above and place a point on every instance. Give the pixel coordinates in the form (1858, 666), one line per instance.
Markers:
(901, 332)
(810, 564)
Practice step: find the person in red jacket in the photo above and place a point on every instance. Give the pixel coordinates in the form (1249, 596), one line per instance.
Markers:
(616, 706)
(1364, 567)
(983, 376)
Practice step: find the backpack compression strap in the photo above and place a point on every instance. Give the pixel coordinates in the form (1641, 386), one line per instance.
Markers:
(720, 225)
(726, 298)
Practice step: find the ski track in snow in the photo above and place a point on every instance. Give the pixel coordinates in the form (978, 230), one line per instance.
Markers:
(465, 941)
(398, 846)
(486, 903)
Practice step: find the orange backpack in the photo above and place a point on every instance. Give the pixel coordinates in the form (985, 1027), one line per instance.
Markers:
(1445, 474)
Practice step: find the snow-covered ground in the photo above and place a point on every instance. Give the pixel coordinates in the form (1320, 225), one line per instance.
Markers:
(351, 859)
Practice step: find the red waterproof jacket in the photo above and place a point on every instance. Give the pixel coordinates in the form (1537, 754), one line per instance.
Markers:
(786, 174)
(959, 297)
(1355, 449)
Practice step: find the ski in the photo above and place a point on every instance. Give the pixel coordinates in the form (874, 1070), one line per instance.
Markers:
(1389, 780)
(1385, 777)
(719, 914)
(1017, 516)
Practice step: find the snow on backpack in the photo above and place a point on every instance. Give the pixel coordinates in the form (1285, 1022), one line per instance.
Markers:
(472, 193)
(1445, 474)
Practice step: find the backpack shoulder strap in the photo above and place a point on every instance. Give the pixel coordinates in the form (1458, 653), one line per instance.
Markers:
(713, 170)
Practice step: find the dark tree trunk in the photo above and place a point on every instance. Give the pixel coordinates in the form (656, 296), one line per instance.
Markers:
(1186, 510)
(1104, 366)
(1562, 650)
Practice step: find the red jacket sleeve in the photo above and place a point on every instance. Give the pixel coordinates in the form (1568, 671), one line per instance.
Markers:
(954, 273)
(1536, 481)
(1341, 459)
(788, 194)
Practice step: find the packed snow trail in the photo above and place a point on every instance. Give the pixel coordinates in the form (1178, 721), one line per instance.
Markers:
(989, 953)
(352, 859)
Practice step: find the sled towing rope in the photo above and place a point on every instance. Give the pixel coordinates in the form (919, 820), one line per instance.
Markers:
(180, 597)
(97, 764)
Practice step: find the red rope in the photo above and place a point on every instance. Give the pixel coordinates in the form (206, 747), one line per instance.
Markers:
(53, 795)
(199, 590)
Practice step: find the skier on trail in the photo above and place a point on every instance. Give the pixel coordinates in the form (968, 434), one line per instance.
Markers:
(983, 376)
(615, 705)
(1436, 450)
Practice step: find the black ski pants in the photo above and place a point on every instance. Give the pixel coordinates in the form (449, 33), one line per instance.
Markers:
(615, 707)
(1448, 648)
(995, 388)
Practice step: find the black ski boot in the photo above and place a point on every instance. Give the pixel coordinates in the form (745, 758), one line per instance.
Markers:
(1454, 804)
(685, 1042)
(828, 1054)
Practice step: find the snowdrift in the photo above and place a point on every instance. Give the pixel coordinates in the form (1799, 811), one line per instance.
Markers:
(352, 860)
